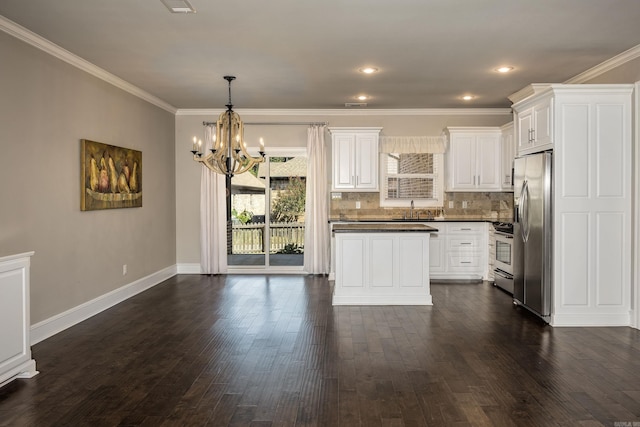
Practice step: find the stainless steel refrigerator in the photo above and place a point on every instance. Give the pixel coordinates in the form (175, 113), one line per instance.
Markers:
(532, 232)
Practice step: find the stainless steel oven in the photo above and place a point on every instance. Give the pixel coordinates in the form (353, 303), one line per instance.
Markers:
(503, 262)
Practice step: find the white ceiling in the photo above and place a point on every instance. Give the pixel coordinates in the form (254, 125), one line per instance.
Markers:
(292, 54)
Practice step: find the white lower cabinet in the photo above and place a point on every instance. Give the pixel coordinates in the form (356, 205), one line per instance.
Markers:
(15, 342)
(462, 251)
(382, 269)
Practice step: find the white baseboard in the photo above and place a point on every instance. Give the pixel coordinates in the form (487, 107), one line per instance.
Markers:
(25, 370)
(592, 319)
(189, 268)
(194, 268)
(419, 299)
(58, 323)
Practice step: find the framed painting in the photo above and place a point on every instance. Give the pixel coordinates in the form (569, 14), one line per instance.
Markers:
(111, 177)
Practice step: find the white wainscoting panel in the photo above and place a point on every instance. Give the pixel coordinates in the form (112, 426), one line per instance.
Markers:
(610, 266)
(575, 150)
(382, 266)
(574, 260)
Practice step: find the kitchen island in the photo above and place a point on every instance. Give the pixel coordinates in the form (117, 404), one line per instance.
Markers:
(382, 263)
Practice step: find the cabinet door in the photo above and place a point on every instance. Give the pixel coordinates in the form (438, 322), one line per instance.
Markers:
(488, 162)
(463, 162)
(366, 161)
(343, 153)
(542, 123)
(525, 127)
(507, 150)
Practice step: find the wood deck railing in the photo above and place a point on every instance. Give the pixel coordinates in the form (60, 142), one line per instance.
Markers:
(249, 238)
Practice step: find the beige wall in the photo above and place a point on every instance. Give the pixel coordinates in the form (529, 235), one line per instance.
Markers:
(47, 106)
(628, 72)
(188, 173)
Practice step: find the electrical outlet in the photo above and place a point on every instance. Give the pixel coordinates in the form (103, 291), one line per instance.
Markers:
(124, 269)
(465, 204)
(358, 204)
(450, 204)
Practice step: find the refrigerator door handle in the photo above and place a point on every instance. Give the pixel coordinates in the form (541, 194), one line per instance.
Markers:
(525, 211)
(519, 207)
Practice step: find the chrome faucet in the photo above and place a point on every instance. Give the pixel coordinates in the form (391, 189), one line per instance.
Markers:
(411, 210)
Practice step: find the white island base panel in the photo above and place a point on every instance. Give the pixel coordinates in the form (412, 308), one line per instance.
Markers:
(382, 268)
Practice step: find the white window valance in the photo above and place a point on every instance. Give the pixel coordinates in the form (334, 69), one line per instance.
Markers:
(413, 144)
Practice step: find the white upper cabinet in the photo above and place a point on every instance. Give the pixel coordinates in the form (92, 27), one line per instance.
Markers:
(534, 125)
(355, 159)
(508, 153)
(474, 161)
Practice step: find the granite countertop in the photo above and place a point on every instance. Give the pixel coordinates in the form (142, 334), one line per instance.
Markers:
(414, 221)
(355, 227)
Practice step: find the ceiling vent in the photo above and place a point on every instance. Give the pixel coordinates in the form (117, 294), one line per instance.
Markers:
(179, 6)
(355, 104)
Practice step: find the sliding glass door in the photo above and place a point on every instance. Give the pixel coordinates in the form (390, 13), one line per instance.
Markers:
(267, 214)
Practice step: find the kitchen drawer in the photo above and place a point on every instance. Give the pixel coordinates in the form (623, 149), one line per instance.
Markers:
(463, 242)
(461, 262)
(466, 228)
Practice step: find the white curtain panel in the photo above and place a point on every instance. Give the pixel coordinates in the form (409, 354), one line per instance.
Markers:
(413, 144)
(213, 216)
(316, 228)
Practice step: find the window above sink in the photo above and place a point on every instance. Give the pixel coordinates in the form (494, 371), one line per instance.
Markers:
(407, 177)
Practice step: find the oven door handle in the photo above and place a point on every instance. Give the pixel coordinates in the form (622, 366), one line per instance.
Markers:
(504, 235)
(503, 274)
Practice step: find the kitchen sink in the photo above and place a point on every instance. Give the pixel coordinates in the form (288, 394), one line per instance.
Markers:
(416, 219)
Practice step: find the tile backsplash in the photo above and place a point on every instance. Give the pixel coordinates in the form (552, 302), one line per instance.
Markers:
(479, 205)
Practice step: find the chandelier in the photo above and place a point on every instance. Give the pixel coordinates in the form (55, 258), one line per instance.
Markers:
(228, 155)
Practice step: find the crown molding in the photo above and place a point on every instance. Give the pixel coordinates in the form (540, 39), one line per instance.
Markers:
(350, 112)
(56, 51)
(608, 65)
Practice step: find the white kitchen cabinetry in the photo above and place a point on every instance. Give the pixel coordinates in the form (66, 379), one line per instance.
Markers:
(382, 268)
(355, 159)
(437, 250)
(590, 130)
(462, 251)
(534, 125)
(15, 341)
(474, 159)
(508, 154)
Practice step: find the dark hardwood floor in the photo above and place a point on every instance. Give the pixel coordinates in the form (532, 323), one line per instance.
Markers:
(272, 351)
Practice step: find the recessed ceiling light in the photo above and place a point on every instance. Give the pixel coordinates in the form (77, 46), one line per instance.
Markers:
(368, 70)
(179, 6)
(504, 69)
(362, 97)
(467, 97)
